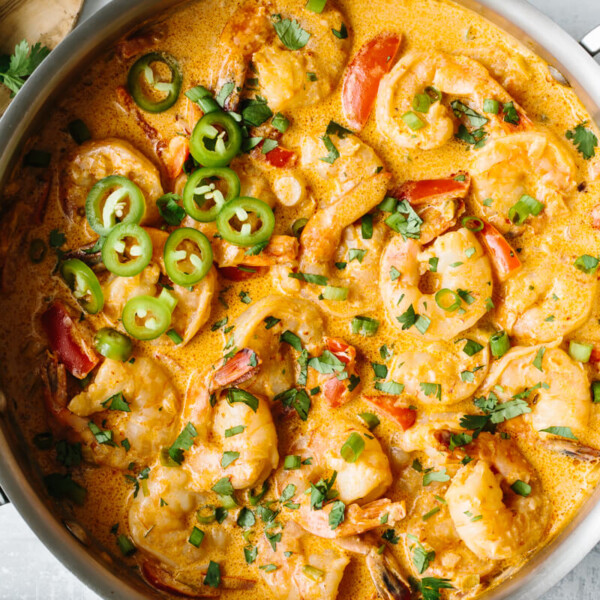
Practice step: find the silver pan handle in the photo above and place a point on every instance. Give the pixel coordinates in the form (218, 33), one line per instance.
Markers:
(591, 41)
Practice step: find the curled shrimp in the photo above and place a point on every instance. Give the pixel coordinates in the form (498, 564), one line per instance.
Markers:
(443, 373)
(331, 236)
(360, 484)
(547, 299)
(533, 163)
(255, 447)
(161, 519)
(94, 160)
(260, 328)
(457, 77)
(134, 402)
(300, 572)
(250, 36)
(193, 305)
(556, 387)
(460, 284)
(492, 519)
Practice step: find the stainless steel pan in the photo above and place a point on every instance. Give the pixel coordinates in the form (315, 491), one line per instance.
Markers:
(20, 480)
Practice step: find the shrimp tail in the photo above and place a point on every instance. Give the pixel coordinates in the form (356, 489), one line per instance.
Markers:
(243, 366)
(573, 450)
(389, 582)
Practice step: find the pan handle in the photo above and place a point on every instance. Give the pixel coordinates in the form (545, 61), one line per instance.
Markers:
(3, 498)
(591, 41)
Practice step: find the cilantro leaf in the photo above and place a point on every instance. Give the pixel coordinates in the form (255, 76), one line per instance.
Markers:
(584, 140)
(21, 65)
(290, 33)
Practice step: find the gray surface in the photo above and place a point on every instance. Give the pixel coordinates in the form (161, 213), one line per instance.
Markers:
(28, 571)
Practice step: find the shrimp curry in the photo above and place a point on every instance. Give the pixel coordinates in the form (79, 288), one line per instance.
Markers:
(300, 301)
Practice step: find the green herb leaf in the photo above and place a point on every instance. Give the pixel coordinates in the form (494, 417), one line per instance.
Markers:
(290, 33)
(584, 139)
(184, 441)
(337, 514)
(238, 395)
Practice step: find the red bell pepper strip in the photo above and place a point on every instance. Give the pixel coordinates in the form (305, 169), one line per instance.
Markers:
(423, 191)
(68, 342)
(364, 73)
(504, 259)
(279, 157)
(390, 405)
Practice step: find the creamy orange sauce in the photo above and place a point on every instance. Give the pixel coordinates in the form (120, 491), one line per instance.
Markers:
(191, 34)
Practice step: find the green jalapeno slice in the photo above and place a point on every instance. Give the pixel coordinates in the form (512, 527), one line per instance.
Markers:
(113, 344)
(144, 86)
(246, 221)
(216, 139)
(203, 195)
(84, 284)
(146, 317)
(130, 242)
(114, 199)
(188, 256)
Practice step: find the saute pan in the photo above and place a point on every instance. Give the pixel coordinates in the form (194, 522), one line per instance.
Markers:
(571, 63)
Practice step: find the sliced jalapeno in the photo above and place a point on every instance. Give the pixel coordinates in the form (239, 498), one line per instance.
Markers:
(216, 139)
(188, 256)
(246, 221)
(146, 317)
(203, 195)
(130, 242)
(113, 344)
(84, 284)
(143, 84)
(114, 199)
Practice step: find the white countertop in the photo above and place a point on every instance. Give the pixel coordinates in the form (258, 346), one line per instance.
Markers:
(29, 572)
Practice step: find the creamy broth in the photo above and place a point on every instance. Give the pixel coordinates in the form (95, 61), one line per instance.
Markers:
(191, 34)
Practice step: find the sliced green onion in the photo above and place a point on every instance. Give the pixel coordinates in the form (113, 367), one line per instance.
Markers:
(206, 514)
(316, 6)
(364, 326)
(196, 537)
(228, 501)
(113, 344)
(298, 226)
(389, 204)
(499, 344)
(525, 207)
(413, 121)
(175, 337)
(366, 227)
(580, 351)
(447, 300)
(352, 448)
(79, 131)
(291, 462)
(313, 573)
(332, 292)
(596, 392)
(370, 420)
(421, 103)
(521, 488)
(126, 545)
(434, 94)
(472, 223)
(491, 106)
(431, 513)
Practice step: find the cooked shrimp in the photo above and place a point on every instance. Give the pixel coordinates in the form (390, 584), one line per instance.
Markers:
(456, 76)
(94, 160)
(547, 299)
(359, 484)
(255, 446)
(461, 282)
(193, 306)
(250, 36)
(145, 411)
(491, 519)
(431, 528)
(300, 574)
(533, 163)
(430, 434)
(161, 519)
(443, 373)
(559, 389)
